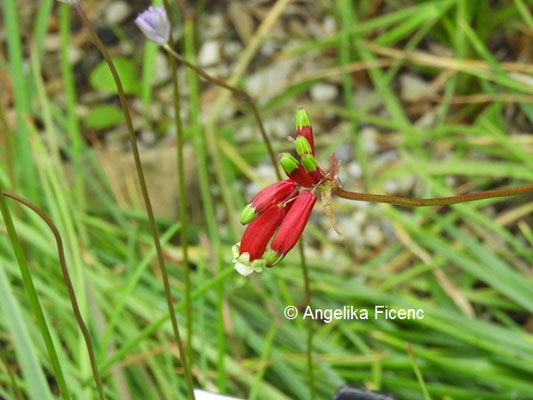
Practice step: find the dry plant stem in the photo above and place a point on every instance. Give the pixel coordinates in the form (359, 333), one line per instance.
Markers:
(307, 300)
(182, 195)
(68, 283)
(438, 201)
(236, 90)
(146, 197)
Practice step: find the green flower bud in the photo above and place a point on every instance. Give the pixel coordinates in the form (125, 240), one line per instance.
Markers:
(309, 162)
(301, 119)
(248, 214)
(288, 162)
(302, 146)
(272, 258)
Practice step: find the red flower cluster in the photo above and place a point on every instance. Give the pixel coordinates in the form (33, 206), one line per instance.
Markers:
(280, 211)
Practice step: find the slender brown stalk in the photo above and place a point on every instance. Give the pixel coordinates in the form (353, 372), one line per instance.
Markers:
(236, 90)
(142, 182)
(182, 195)
(438, 201)
(68, 283)
(309, 322)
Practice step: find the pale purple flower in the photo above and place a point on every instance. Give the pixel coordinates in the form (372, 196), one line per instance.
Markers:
(154, 24)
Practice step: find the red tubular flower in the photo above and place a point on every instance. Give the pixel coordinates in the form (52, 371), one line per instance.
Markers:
(303, 127)
(273, 194)
(291, 228)
(258, 233)
(249, 252)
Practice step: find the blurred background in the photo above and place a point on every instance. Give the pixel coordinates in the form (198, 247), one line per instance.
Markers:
(416, 98)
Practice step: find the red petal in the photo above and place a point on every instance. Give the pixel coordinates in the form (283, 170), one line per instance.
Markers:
(302, 177)
(259, 232)
(294, 223)
(272, 194)
(307, 132)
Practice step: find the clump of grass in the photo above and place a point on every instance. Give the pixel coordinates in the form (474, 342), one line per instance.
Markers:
(464, 265)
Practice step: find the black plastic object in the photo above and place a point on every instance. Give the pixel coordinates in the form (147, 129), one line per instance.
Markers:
(349, 392)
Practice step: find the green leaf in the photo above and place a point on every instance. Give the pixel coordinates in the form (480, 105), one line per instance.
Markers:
(103, 116)
(26, 352)
(101, 78)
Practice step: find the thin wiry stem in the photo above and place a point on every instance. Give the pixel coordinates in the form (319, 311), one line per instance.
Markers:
(309, 322)
(189, 30)
(144, 191)
(437, 201)
(236, 90)
(68, 283)
(33, 298)
(182, 195)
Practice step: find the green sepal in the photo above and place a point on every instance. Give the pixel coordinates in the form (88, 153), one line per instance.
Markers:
(302, 146)
(288, 162)
(248, 214)
(272, 258)
(309, 162)
(301, 119)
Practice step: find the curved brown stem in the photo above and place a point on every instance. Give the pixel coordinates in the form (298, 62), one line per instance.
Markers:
(234, 89)
(68, 283)
(438, 201)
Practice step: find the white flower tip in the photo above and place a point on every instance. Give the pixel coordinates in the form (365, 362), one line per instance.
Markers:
(244, 269)
(243, 265)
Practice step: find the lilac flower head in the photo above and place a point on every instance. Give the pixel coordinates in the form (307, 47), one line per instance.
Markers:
(154, 24)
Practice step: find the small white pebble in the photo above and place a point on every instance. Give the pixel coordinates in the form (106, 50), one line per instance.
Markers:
(148, 137)
(232, 49)
(369, 136)
(344, 152)
(324, 92)
(209, 53)
(266, 171)
(359, 218)
(354, 169)
(391, 187)
(450, 181)
(373, 235)
(268, 48)
(412, 87)
(330, 25)
(406, 183)
(117, 12)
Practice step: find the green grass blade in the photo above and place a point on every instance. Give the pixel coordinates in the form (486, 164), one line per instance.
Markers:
(36, 384)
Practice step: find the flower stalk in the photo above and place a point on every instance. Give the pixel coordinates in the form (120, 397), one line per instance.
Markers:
(437, 201)
(163, 24)
(146, 198)
(236, 90)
